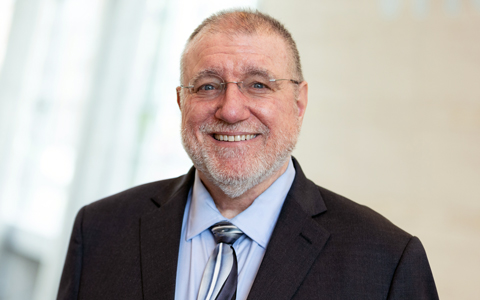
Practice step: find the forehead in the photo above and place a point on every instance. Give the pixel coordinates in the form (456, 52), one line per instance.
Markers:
(234, 55)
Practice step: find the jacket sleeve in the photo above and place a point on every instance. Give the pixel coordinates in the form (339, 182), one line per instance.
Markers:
(72, 270)
(413, 277)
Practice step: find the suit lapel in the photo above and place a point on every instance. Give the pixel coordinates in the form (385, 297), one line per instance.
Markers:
(160, 239)
(296, 242)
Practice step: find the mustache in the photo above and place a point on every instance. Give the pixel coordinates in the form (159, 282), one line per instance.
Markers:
(245, 126)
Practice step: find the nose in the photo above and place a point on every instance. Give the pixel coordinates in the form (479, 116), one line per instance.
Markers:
(233, 106)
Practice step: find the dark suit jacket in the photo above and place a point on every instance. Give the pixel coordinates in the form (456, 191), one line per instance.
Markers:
(324, 246)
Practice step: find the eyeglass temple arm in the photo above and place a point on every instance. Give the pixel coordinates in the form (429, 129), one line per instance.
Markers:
(294, 81)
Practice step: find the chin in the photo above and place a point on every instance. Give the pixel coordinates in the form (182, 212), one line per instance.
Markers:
(235, 182)
(235, 173)
(237, 170)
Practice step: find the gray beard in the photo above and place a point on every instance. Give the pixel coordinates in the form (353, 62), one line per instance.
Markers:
(258, 168)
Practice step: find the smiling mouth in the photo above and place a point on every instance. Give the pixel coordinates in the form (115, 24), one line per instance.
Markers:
(234, 138)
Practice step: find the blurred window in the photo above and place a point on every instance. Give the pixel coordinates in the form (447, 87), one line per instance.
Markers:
(87, 109)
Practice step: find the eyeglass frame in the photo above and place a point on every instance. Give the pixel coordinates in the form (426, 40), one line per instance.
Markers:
(224, 84)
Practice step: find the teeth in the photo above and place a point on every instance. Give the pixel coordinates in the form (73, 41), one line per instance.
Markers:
(234, 138)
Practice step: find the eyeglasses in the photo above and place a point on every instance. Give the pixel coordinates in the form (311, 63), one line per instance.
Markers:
(211, 87)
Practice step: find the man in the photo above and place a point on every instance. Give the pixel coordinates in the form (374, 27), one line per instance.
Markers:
(242, 99)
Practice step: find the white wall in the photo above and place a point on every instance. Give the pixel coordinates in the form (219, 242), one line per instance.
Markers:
(393, 119)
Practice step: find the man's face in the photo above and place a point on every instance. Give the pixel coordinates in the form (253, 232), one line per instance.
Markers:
(270, 124)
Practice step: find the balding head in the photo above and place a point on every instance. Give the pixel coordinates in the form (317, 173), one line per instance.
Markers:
(243, 22)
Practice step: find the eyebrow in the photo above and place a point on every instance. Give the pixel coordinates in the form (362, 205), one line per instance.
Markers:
(207, 72)
(255, 71)
(246, 71)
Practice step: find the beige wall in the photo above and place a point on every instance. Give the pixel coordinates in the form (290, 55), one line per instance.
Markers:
(393, 119)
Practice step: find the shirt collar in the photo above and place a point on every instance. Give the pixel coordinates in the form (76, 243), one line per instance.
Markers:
(257, 221)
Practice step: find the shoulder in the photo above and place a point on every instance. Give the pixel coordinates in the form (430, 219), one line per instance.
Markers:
(134, 198)
(350, 223)
(351, 213)
(129, 205)
(115, 220)
(345, 219)
(363, 252)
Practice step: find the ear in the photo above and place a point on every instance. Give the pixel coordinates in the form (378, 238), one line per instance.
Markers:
(302, 98)
(179, 89)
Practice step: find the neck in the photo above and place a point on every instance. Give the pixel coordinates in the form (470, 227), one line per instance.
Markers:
(230, 207)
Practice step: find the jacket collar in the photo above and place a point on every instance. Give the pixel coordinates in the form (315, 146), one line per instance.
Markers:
(160, 239)
(296, 240)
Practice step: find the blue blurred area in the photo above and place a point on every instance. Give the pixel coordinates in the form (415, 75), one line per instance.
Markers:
(87, 109)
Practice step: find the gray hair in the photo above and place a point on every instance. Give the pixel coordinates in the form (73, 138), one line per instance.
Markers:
(245, 21)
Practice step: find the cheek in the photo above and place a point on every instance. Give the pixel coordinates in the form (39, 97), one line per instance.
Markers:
(189, 112)
(266, 112)
(194, 115)
(278, 114)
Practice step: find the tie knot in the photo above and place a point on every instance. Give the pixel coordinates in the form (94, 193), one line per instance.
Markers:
(225, 232)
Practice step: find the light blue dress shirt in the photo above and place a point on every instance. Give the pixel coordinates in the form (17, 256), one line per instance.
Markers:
(197, 243)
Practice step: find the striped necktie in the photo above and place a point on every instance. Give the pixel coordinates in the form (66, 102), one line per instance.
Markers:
(219, 279)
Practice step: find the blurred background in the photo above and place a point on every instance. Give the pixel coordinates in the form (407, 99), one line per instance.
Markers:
(88, 108)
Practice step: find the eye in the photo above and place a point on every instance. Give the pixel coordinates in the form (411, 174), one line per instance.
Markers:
(207, 87)
(258, 85)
